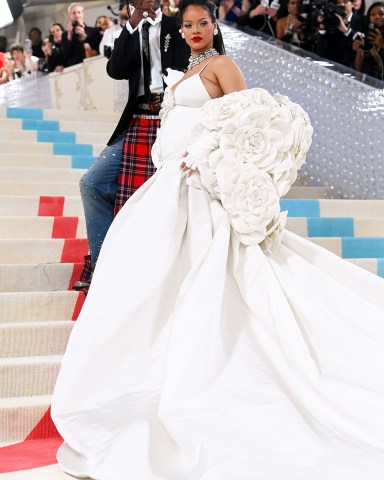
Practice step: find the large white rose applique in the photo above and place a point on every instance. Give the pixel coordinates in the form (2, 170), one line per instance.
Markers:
(251, 200)
(262, 140)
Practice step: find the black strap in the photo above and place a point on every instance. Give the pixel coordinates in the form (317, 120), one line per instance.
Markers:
(146, 58)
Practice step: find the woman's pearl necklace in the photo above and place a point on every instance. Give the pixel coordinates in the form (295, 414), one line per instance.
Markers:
(196, 59)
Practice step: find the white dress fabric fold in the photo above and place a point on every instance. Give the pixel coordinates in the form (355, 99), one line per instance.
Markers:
(197, 357)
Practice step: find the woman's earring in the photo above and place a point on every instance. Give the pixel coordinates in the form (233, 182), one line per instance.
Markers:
(182, 33)
(215, 31)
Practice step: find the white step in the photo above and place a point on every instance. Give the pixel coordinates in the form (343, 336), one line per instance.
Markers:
(19, 415)
(27, 376)
(41, 188)
(35, 338)
(36, 174)
(35, 277)
(29, 206)
(46, 161)
(35, 306)
(38, 227)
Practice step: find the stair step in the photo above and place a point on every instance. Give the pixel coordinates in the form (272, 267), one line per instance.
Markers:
(35, 306)
(310, 192)
(41, 188)
(50, 148)
(336, 227)
(39, 174)
(46, 161)
(27, 376)
(34, 338)
(19, 415)
(42, 227)
(42, 277)
(83, 127)
(348, 247)
(43, 251)
(22, 206)
(84, 116)
(332, 208)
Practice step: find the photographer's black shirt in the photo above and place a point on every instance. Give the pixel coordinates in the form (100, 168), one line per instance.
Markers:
(73, 50)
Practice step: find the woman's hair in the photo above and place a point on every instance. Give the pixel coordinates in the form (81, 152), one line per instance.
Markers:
(210, 7)
(59, 25)
(361, 10)
(367, 17)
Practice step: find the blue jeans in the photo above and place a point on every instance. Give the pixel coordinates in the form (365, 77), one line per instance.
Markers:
(98, 190)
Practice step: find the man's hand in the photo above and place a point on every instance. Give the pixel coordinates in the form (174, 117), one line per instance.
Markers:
(259, 10)
(341, 26)
(141, 7)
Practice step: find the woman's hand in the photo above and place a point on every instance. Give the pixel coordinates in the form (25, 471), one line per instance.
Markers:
(185, 168)
(259, 10)
(376, 38)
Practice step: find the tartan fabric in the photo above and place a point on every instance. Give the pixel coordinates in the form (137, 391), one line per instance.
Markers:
(136, 163)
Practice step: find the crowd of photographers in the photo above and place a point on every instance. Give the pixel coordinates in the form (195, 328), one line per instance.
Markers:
(338, 30)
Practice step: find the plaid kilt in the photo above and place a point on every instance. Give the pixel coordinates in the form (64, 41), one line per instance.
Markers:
(136, 163)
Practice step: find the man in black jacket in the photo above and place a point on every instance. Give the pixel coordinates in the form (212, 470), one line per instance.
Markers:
(137, 127)
(79, 37)
(337, 33)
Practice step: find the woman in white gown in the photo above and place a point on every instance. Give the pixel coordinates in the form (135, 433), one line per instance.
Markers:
(213, 355)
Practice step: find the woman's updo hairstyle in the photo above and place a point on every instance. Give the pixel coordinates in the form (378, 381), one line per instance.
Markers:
(210, 7)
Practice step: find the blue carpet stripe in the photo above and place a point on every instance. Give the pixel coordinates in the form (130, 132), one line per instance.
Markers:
(72, 149)
(362, 247)
(301, 207)
(380, 267)
(32, 113)
(82, 161)
(45, 125)
(330, 227)
(56, 137)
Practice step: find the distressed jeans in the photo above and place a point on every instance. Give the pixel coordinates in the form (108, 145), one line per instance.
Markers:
(98, 190)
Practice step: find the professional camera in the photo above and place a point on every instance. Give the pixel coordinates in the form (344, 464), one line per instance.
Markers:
(329, 12)
(75, 24)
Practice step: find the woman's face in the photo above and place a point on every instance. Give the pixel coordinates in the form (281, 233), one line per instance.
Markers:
(377, 16)
(356, 4)
(198, 28)
(57, 33)
(293, 7)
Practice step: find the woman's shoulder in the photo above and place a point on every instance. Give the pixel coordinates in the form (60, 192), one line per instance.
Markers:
(223, 61)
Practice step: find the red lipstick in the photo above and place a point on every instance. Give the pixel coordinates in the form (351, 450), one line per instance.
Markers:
(196, 39)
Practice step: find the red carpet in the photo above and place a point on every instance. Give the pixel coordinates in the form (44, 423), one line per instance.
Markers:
(29, 454)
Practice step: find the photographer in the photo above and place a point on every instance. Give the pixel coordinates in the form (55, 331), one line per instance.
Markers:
(370, 47)
(338, 28)
(289, 28)
(53, 60)
(262, 16)
(79, 41)
(110, 35)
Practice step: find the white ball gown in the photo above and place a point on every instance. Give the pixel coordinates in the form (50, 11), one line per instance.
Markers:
(198, 356)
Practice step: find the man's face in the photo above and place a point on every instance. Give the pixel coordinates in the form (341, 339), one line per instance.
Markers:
(77, 13)
(35, 36)
(347, 4)
(18, 56)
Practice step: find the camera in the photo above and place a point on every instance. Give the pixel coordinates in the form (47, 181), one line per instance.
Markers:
(75, 24)
(329, 12)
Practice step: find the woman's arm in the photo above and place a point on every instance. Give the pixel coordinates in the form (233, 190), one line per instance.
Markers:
(228, 74)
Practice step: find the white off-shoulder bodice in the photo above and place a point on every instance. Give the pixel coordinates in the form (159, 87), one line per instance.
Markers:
(183, 115)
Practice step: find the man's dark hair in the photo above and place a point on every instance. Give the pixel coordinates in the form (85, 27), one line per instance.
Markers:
(16, 47)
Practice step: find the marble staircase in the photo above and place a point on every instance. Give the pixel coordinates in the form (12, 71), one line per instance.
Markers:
(43, 154)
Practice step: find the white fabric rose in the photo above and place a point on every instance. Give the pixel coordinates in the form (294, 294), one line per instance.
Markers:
(216, 112)
(251, 200)
(167, 104)
(275, 232)
(260, 136)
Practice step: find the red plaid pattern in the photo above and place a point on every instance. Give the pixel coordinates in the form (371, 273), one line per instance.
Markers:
(136, 164)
